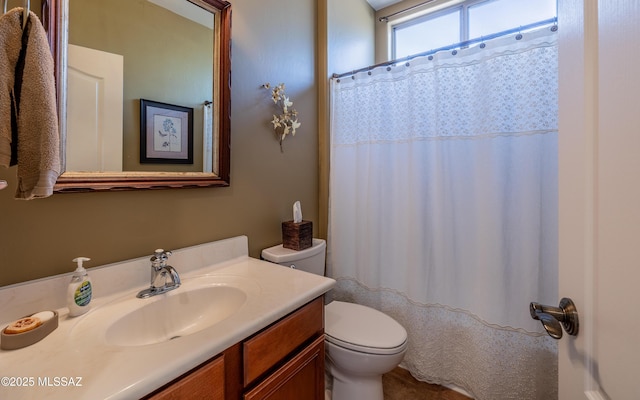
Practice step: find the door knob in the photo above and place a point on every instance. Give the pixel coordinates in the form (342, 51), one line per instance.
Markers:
(555, 318)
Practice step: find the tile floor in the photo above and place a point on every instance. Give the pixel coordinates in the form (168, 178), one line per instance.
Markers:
(400, 385)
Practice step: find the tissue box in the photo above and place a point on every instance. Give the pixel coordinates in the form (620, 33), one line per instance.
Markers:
(297, 235)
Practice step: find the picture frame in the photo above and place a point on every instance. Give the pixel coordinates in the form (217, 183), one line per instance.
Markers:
(166, 133)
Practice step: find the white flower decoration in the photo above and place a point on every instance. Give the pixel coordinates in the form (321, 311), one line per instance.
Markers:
(276, 122)
(287, 122)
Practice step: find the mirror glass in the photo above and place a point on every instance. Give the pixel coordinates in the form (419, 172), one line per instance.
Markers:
(144, 88)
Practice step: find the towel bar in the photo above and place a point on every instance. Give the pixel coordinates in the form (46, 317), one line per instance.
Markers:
(25, 15)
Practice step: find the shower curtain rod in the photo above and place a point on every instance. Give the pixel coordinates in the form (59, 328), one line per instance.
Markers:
(386, 17)
(466, 43)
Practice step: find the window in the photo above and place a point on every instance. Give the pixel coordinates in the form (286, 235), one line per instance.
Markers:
(469, 20)
(417, 36)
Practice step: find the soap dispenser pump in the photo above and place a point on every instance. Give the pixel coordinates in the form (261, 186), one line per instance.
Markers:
(79, 291)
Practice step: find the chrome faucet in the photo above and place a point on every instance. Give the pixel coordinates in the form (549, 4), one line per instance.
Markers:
(163, 277)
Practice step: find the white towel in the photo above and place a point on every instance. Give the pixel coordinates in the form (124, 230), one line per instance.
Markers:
(29, 86)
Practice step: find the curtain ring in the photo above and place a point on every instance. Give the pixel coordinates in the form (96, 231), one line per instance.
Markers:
(519, 35)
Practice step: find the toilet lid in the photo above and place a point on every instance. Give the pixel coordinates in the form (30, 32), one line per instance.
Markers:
(362, 328)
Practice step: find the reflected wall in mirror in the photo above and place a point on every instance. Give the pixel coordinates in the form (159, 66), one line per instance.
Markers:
(121, 51)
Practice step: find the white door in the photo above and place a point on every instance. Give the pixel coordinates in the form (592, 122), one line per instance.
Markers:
(94, 110)
(599, 211)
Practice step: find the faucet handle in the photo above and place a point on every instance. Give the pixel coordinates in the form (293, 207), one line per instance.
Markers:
(162, 253)
(159, 258)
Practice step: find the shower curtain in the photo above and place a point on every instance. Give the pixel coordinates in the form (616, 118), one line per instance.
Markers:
(443, 210)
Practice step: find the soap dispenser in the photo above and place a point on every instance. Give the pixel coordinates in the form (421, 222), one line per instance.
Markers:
(79, 291)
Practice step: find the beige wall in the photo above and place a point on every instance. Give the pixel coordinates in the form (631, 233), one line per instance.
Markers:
(350, 32)
(347, 39)
(272, 41)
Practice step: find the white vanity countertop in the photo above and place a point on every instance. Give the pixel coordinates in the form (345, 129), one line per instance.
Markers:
(46, 369)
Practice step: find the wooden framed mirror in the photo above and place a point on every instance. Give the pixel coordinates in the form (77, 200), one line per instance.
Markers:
(214, 164)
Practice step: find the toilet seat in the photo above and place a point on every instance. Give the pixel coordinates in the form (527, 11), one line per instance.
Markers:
(363, 329)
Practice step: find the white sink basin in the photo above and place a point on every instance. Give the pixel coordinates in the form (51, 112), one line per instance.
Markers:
(178, 314)
(196, 305)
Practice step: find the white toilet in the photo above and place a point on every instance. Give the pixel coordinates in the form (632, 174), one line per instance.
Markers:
(361, 343)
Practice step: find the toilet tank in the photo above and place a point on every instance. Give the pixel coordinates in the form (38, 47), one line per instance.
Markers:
(309, 260)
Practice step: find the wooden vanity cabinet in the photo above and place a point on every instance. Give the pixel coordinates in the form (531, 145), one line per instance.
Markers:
(203, 382)
(302, 377)
(284, 361)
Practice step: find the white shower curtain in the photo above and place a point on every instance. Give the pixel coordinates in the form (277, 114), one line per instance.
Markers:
(443, 210)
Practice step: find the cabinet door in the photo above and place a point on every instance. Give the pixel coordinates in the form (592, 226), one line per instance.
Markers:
(278, 341)
(205, 382)
(300, 378)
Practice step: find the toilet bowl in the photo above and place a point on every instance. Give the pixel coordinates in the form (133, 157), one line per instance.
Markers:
(361, 343)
